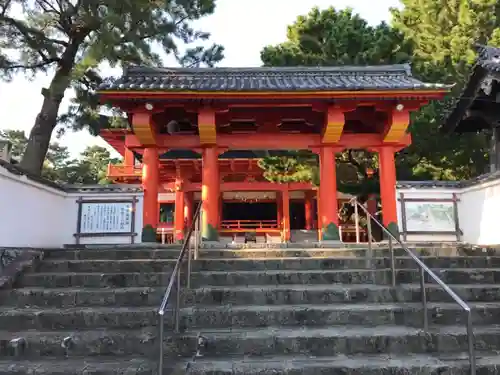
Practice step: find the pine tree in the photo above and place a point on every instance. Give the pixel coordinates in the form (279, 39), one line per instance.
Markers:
(72, 40)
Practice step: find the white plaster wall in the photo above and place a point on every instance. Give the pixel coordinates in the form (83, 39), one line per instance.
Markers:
(479, 212)
(34, 215)
(31, 214)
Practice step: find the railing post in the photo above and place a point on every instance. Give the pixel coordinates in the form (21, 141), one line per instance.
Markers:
(196, 230)
(178, 303)
(393, 266)
(369, 227)
(160, 364)
(356, 221)
(470, 339)
(424, 299)
(190, 254)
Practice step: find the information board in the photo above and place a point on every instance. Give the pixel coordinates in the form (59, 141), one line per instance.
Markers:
(106, 217)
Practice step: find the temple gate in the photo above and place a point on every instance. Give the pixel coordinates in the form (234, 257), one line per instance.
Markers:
(197, 134)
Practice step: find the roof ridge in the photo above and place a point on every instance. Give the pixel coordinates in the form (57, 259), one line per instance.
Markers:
(404, 69)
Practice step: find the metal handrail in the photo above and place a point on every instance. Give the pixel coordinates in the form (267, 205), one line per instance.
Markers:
(423, 269)
(175, 279)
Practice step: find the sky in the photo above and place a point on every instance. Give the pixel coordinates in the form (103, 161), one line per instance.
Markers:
(243, 27)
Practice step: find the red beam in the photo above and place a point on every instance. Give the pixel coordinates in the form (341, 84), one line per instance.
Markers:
(268, 141)
(249, 186)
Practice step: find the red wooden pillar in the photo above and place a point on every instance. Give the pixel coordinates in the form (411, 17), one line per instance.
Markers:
(188, 209)
(285, 199)
(150, 183)
(387, 172)
(309, 209)
(179, 211)
(329, 220)
(129, 158)
(210, 191)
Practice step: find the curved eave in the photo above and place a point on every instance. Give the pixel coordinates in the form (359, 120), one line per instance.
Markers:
(430, 93)
(464, 101)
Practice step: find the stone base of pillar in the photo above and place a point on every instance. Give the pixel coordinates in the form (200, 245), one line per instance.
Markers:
(330, 233)
(394, 229)
(209, 233)
(148, 234)
(331, 244)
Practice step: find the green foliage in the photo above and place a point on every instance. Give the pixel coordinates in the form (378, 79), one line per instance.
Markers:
(336, 37)
(438, 39)
(73, 41)
(90, 168)
(333, 37)
(443, 35)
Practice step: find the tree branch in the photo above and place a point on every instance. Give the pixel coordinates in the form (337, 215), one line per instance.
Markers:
(32, 66)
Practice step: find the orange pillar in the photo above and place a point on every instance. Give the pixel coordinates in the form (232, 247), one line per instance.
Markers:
(150, 183)
(387, 173)
(328, 195)
(309, 209)
(179, 212)
(285, 198)
(210, 191)
(188, 209)
(129, 158)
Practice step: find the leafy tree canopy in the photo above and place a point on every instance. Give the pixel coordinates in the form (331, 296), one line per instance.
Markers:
(333, 37)
(90, 168)
(73, 40)
(438, 39)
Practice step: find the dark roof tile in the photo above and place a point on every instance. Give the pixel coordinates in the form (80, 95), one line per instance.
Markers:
(487, 64)
(384, 77)
(487, 177)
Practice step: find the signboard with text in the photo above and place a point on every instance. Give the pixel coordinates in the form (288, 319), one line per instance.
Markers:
(106, 218)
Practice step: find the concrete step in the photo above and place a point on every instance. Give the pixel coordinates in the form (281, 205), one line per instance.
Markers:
(315, 263)
(107, 265)
(340, 340)
(80, 366)
(335, 293)
(381, 364)
(351, 276)
(264, 264)
(352, 250)
(346, 340)
(259, 277)
(242, 295)
(171, 252)
(244, 264)
(208, 317)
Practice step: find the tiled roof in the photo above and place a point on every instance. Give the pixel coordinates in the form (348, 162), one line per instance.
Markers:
(384, 77)
(487, 64)
(487, 177)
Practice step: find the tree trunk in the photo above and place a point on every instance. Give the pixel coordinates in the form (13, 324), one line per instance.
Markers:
(46, 121)
(40, 134)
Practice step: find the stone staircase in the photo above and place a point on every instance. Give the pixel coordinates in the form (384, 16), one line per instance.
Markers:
(261, 311)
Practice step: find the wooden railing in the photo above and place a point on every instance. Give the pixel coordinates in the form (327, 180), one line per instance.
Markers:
(349, 233)
(250, 225)
(116, 170)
